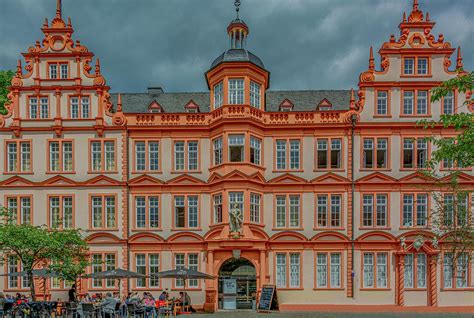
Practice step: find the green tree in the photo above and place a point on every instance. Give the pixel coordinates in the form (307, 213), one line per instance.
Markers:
(450, 215)
(35, 246)
(5, 81)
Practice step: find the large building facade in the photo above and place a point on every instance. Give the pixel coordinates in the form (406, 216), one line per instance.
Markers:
(334, 209)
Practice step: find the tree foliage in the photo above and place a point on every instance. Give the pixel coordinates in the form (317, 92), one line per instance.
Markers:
(5, 81)
(38, 247)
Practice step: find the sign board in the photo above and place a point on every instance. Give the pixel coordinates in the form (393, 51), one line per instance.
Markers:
(268, 299)
(229, 286)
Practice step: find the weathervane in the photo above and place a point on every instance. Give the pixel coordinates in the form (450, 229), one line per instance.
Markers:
(237, 5)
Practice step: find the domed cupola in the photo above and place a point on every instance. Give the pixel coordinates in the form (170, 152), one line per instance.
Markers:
(237, 64)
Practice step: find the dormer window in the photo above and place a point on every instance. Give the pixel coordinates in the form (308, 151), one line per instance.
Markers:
(191, 107)
(154, 107)
(236, 91)
(218, 95)
(409, 66)
(324, 105)
(416, 66)
(422, 66)
(254, 94)
(286, 105)
(58, 71)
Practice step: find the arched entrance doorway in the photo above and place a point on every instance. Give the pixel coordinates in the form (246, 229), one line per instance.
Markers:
(237, 287)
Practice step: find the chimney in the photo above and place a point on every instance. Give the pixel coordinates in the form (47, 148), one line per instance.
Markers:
(154, 90)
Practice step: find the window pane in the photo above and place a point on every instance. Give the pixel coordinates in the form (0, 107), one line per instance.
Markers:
(97, 212)
(110, 211)
(382, 153)
(154, 155)
(96, 153)
(321, 268)
(74, 107)
(179, 211)
(408, 68)
(140, 212)
(281, 154)
(421, 209)
(85, 107)
(236, 91)
(67, 156)
(322, 203)
(335, 210)
(422, 103)
(218, 95)
(335, 270)
(294, 210)
(255, 208)
(140, 267)
(236, 148)
(109, 155)
(154, 212)
(217, 202)
(54, 156)
(407, 210)
(294, 270)
(421, 270)
(54, 212)
(422, 66)
(408, 153)
(192, 155)
(322, 154)
(336, 153)
(12, 153)
(381, 210)
(281, 211)
(254, 94)
(409, 271)
(382, 105)
(448, 270)
(154, 265)
(255, 152)
(448, 104)
(140, 156)
(179, 155)
(193, 213)
(217, 151)
(67, 212)
(294, 154)
(367, 210)
(382, 270)
(368, 153)
(368, 270)
(33, 108)
(408, 103)
(281, 270)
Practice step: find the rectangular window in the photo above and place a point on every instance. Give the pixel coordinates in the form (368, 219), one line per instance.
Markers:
(12, 268)
(147, 212)
(328, 276)
(255, 150)
(281, 154)
(382, 103)
(368, 153)
(33, 108)
(61, 212)
(102, 154)
(415, 103)
(18, 156)
(140, 267)
(329, 154)
(293, 156)
(218, 95)
(415, 153)
(287, 211)
(332, 203)
(154, 268)
(415, 270)
(380, 218)
(193, 155)
(103, 211)
(96, 267)
(421, 270)
(79, 107)
(44, 108)
(60, 156)
(179, 155)
(254, 94)
(448, 104)
(147, 155)
(103, 262)
(375, 269)
(409, 66)
(288, 264)
(255, 200)
(191, 261)
(53, 71)
(217, 207)
(186, 209)
(64, 72)
(422, 68)
(375, 153)
(19, 209)
(408, 103)
(186, 155)
(236, 148)
(236, 91)
(217, 144)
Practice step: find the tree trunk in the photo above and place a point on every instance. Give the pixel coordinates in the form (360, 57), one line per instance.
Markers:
(32, 285)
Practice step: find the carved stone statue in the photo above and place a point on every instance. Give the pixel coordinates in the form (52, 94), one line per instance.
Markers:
(403, 243)
(434, 242)
(236, 219)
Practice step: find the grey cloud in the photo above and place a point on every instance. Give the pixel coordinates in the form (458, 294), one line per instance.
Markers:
(306, 44)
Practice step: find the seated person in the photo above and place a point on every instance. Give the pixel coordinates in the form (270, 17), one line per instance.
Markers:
(149, 304)
(108, 305)
(163, 296)
(186, 300)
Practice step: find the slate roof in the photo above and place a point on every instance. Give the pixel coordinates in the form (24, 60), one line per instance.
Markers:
(175, 102)
(238, 55)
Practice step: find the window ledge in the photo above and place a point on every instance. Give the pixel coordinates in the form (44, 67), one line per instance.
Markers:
(329, 170)
(287, 229)
(329, 229)
(329, 289)
(375, 228)
(375, 289)
(460, 289)
(376, 169)
(195, 229)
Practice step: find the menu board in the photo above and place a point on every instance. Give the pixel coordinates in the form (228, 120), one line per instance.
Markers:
(268, 299)
(230, 286)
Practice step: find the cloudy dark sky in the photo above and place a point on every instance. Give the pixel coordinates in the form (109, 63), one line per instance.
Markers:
(306, 44)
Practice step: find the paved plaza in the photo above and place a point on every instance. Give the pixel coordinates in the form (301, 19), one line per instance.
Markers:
(251, 314)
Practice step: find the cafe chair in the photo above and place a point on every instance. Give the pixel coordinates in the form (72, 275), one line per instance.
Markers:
(88, 310)
(165, 308)
(6, 310)
(134, 311)
(71, 310)
(115, 313)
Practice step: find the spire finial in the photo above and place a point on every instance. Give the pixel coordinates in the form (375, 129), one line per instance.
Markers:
(459, 64)
(427, 16)
(371, 59)
(19, 68)
(119, 103)
(69, 24)
(404, 17)
(352, 95)
(45, 24)
(97, 67)
(237, 7)
(415, 5)
(58, 8)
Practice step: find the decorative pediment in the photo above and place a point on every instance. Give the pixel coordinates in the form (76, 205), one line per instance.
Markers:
(328, 237)
(376, 177)
(287, 178)
(186, 237)
(417, 177)
(288, 236)
(324, 104)
(102, 238)
(185, 179)
(191, 107)
(376, 236)
(286, 105)
(237, 175)
(461, 177)
(146, 238)
(155, 107)
(145, 180)
(16, 181)
(330, 177)
(59, 181)
(102, 181)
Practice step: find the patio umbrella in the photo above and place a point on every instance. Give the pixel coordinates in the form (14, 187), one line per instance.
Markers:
(43, 273)
(184, 274)
(117, 273)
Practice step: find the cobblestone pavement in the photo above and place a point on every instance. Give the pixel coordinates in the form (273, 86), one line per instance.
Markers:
(251, 314)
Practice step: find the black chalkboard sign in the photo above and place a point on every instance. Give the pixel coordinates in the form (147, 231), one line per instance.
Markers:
(268, 299)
